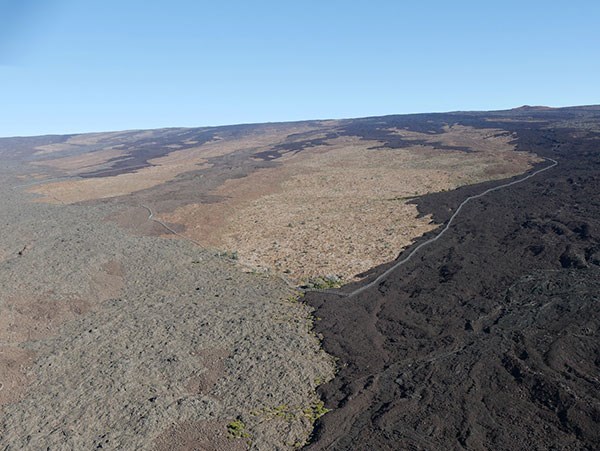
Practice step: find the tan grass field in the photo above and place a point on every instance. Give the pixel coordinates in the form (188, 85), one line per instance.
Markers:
(342, 209)
(335, 209)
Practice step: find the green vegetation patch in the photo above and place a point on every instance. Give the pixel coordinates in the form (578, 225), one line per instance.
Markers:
(312, 412)
(315, 411)
(324, 283)
(237, 429)
(282, 411)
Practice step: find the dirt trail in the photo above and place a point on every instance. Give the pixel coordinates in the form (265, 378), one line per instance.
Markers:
(406, 259)
(421, 245)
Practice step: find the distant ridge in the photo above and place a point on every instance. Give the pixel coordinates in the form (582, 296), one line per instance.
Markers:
(533, 108)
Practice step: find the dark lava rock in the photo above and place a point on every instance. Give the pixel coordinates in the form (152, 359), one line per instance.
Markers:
(489, 342)
(572, 258)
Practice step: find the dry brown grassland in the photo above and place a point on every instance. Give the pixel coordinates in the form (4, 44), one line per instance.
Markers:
(336, 209)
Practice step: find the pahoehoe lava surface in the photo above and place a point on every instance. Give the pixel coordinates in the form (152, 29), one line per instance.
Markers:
(487, 339)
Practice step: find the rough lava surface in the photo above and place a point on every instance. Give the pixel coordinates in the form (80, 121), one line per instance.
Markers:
(487, 339)
(183, 329)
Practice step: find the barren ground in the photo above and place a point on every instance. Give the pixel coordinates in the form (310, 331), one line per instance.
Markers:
(132, 342)
(116, 333)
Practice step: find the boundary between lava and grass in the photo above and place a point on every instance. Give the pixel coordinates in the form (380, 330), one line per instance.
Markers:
(406, 259)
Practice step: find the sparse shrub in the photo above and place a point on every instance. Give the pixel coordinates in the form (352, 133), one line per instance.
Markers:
(324, 283)
(315, 411)
(237, 429)
(232, 255)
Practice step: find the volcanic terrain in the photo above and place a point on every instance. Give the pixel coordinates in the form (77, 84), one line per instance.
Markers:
(150, 285)
(487, 338)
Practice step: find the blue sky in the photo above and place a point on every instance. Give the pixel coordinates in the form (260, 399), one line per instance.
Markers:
(73, 66)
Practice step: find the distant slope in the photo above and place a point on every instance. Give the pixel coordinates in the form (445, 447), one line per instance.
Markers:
(278, 195)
